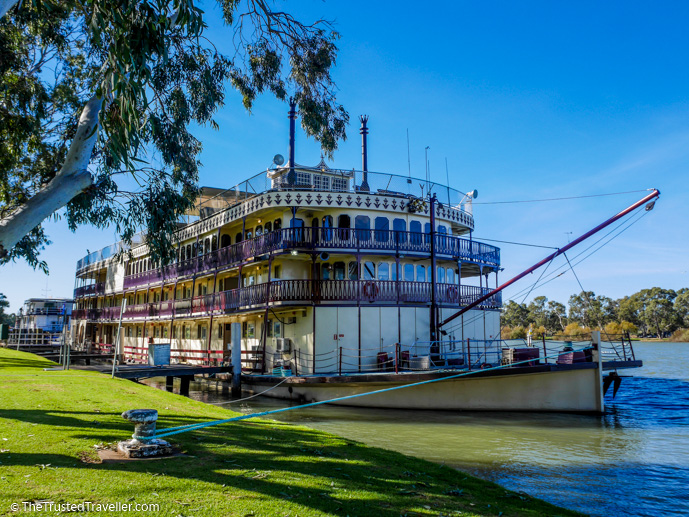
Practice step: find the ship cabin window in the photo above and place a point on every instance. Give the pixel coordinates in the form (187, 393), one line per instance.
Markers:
(268, 227)
(220, 326)
(400, 228)
(187, 292)
(277, 272)
(139, 331)
(207, 245)
(238, 237)
(327, 221)
(189, 250)
(369, 271)
(194, 250)
(383, 271)
(344, 223)
(353, 271)
(415, 230)
(225, 241)
(362, 223)
(314, 222)
(165, 330)
(450, 275)
(174, 332)
(393, 271)
(129, 331)
(183, 254)
(156, 332)
(277, 224)
(259, 230)
(326, 271)
(441, 275)
(187, 331)
(409, 272)
(427, 232)
(201, 332)
(214, 243)
(420, 273)
(339, 271)
(382, 229)
(249, 235)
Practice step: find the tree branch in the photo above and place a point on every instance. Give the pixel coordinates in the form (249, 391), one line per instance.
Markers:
(72, 179)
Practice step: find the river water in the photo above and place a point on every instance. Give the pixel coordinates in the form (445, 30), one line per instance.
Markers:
(633, 460)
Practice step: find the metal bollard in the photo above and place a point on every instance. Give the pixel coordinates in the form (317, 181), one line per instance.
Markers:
(143, 443)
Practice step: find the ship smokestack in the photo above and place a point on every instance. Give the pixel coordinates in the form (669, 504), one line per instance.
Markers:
(364, 151)
(292, 118)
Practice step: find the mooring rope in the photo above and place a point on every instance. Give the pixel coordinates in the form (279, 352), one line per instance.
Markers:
(191, 427)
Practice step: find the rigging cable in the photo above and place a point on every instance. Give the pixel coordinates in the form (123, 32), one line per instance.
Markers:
(557, 198)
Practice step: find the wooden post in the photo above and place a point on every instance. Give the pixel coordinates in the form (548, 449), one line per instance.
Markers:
(469, 352)
(340, 365)
(236, 331)
(545, 351)
(397, 355)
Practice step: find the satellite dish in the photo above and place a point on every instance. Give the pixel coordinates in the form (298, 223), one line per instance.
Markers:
(278, 159)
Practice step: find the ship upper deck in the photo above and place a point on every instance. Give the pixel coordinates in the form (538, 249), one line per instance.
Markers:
(311, 187)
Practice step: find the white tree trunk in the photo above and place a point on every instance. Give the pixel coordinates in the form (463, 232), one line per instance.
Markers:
(6, 5)
(72, 179)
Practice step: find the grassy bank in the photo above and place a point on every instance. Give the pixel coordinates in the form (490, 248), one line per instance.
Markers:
(50, 422)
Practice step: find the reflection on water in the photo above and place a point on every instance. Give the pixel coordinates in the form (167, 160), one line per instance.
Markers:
(633, 460)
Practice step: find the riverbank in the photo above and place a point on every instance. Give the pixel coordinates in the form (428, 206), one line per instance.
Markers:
(51, 422)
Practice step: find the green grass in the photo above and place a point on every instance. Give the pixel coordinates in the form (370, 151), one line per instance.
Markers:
(50, 422)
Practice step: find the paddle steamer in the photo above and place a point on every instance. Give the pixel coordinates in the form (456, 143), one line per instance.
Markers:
(341, 281)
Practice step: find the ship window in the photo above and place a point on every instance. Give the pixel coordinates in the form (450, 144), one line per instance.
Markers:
(427, 232)
(156, 332)
(183, 253)
(353, 271)
(238, 237)
(382, 229)
(206, 246)
(393, 271)
(400, 228)
(327, 225)
(269, 227)
(303, 179)
(369, 270)
(409, 272)
(277, 224)
(450, 275)
(321, 182)
(339, 184)
(277, 272)
(441, 275)
(194, 250)
(225, 241)
(189, 255)
(415, 229)
(249, 235)
(314, 222)
(139, 331)
(220, 326)
(259, 230)
(383, 271)
(339, 271)
(187, 331)
(362, 223)
(326, 270)
(269, 328)
(420, 273)
(214, 243)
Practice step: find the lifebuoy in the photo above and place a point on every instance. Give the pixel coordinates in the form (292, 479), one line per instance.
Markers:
(370, 290)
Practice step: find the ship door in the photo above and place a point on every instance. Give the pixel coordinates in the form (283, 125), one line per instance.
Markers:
(227, 343)
(336, 327)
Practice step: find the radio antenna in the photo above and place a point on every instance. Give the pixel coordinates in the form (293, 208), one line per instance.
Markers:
(408, 153)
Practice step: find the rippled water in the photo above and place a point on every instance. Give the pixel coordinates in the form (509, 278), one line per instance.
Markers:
(633, 460)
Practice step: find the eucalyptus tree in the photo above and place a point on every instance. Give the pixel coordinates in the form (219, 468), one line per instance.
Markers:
(96, 95)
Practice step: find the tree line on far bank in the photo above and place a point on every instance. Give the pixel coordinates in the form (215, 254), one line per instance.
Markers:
(653, 312)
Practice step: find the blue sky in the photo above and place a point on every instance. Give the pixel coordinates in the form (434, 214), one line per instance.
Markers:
(526, 100)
